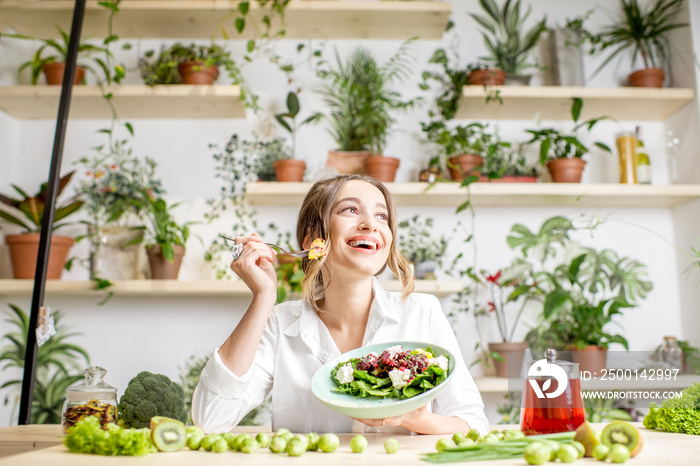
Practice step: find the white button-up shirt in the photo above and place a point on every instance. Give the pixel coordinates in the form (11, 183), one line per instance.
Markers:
(296, 343)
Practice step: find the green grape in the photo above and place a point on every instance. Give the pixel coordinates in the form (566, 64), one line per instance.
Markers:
(443, 443)
(600, 452)
(618, 453)
(194, 442)
(296, 447)
(263, 439)
(458, 437)
(567, 453)
(278, 444)
(249, 445)
(208, 441)
(537, 453)
(473, 434)
(391, 445)
(328, 443)
(220, 445)
(313, 439)
(358, 443)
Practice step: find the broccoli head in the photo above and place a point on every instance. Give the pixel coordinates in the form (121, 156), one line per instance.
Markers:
(149, 395)
(678, 414)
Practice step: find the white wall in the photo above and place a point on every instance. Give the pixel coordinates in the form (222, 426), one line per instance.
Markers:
(128, 335)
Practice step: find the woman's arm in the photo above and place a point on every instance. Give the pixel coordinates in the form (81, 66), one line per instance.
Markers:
(255, 267)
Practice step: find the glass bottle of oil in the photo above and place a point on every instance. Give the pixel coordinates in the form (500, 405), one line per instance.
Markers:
(643, 165)
(627, 151)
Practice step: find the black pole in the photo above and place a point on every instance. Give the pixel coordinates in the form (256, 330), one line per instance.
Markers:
(25, 405)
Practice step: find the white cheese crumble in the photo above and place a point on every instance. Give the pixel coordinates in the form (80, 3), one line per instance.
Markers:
(399, 378)
(345, 374)
(373, 354)
(394, 349)
(440, 361)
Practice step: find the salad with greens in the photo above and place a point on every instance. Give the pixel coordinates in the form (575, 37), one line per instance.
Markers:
(393, 374)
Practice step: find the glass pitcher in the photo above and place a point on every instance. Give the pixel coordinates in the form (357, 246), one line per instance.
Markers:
(92, 397)
(552, 400)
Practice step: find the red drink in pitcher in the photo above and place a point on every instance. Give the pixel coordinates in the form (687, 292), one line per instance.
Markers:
(547, 406)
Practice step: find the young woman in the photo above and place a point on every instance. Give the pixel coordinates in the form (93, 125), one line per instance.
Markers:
(279, 348)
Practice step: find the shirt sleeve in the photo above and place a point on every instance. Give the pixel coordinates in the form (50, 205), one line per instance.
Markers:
(222, 398)
(461, 397)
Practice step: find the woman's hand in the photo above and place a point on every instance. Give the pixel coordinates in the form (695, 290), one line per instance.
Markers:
(422, 421)
(407, 421)
(255, 266)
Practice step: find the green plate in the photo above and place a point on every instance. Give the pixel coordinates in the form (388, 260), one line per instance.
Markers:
(374, 408)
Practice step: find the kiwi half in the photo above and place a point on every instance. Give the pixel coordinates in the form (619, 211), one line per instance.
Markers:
(168, 434)
(623, 433)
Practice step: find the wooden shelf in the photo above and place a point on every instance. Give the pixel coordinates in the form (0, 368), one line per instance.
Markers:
(208, 19)
(171, 102)
(554, 103)
(503, 384)
(500, 194)
(178, 288)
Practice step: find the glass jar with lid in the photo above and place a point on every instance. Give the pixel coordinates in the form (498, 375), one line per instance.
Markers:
(92, 397)
(671, 353)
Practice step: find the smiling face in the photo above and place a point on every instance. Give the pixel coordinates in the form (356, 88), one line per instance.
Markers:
(359, 228)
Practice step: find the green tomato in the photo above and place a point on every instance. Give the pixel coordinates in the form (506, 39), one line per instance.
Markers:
(208, 441)
(600, 452)
(249, 445)
(537, 453)
(581, 449)
(358, 443)
(458, 437)
(194, 442)
(391, 445)
(567, 453)
(278, 444)
(444, 443)
(296, 447)
(328, 443)
(313, 439)
(220, 445)
(618, 453)
(263, 439)
(473, 434)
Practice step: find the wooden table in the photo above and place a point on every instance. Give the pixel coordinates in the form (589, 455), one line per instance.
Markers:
(660, 448)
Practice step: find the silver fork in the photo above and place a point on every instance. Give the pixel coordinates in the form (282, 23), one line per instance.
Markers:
(282, 251)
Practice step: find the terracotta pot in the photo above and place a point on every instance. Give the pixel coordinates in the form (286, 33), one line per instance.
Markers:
(592, 359)
(512, 354)
(509, 179)
(348, 162)
(382, 167)
(194, 72)
(648, 77)
(54, 73)
(566, 170)
(161, 269)
(465, 163)
(488, 77)
(24, 251)
(290, 170)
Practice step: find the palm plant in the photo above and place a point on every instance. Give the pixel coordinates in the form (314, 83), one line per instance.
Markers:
(643, 33)
(510, 44)
(360, 98)
(59, 364)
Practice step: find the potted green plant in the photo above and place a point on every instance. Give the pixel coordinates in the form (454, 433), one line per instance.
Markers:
(644, 34)
(581, 289)
(420, 245)
(289, 168)
(165, 238)
(160, 69)
(360, 101)
(562, 152)
(507, 40)
(53, 65)
(24, 247)
(506, 164)
(114, 184)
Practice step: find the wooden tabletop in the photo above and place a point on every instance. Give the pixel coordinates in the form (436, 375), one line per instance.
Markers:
(660, 448)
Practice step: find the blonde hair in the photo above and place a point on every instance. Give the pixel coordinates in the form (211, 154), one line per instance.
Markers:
(313, 222)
